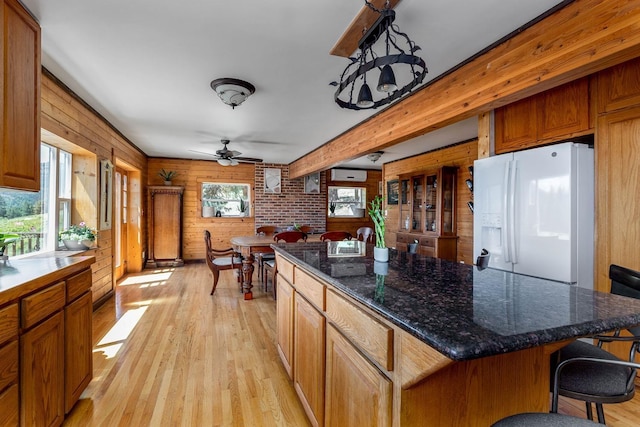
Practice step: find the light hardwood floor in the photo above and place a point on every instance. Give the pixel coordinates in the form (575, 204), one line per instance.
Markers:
(166, 353)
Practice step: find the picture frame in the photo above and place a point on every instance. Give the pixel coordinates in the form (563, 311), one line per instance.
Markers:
(272, 181)
(312, 183)
(392, 192)
(106, 191)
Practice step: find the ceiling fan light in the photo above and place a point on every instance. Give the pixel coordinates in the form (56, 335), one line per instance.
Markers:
(365, 99)
(224, 162)
(234, 162)
(387, 82)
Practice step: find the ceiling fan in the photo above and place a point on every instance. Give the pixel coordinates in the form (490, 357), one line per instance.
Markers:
(226, 157)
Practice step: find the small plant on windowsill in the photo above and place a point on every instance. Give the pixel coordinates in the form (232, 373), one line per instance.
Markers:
(167, 176)
(244, 207)
(78, 237)
(332, 209)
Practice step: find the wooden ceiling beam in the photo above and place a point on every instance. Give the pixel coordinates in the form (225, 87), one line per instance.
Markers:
(348, 42)
(584, 37)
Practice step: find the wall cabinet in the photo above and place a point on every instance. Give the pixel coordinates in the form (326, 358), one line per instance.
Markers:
(427, 212)
(165, 226)
(556, 114)
(20, 107)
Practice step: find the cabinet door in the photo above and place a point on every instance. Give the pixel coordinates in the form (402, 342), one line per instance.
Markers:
(20, 139)
(515, 125)
(417, 203)
(284, 308)
(619, 86)
(167, 210)
(357, 394)
(42, 373)
(404, 204)
(309, 348)
(78, 354)
(564, 111)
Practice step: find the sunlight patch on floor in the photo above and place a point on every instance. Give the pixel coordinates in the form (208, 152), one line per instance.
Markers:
(117, 335)
(157, 278)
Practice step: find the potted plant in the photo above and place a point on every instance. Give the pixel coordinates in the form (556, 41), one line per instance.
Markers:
(380, 251)
(167, 176)
(332, 208)
(78, 237)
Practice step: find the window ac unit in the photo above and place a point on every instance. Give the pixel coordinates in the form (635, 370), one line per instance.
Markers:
(353, 175)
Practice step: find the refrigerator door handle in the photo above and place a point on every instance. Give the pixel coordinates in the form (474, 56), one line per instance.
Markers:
(512, 211)
(505, 213)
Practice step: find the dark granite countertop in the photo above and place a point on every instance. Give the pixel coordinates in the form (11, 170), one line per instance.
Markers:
(459, 310)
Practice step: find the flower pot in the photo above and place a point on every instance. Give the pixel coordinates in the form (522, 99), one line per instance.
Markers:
(380, 268)
(208, 211)
(381, 254)
(75, 245)
(167, 182)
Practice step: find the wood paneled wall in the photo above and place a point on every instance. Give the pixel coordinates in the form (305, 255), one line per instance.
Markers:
(65, 116)
(352, 224)
(462, 156)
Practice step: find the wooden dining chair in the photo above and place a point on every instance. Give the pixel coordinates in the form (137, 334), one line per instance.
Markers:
(261, 257)
(335, 236)
(270, 267)
(221, 259)
(365, 234)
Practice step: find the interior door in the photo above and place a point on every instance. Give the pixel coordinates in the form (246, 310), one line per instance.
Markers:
(120, 222)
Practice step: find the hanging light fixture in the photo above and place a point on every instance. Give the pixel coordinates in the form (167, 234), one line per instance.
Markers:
(232, 91)
(399, 69)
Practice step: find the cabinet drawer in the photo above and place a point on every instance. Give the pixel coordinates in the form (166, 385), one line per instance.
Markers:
(285, 268)
(78, 285)
(8, 364)
(42, 304)
(8, 323)
(312, 289)
(9, 405)
(371, 336)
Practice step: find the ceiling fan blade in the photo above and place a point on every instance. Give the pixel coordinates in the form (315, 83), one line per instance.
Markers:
(248, 159)
(233, 153)
(215, 156)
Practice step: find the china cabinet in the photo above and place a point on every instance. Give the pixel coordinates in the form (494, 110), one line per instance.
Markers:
(427, 212)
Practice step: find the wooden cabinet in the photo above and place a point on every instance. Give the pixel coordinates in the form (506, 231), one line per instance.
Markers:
(42, 373)
(20, 107)
(309, 349)
(618, 87)
(45, 348)
(78, 349)
(427, 212)
(284, 312)
(556, 114)
(9, 401)
(165, 226)
(357, 393)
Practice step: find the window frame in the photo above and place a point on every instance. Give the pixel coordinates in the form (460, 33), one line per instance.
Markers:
(206, 202)
(361, 204)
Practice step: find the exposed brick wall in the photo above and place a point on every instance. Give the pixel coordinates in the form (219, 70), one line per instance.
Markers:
(291, 205)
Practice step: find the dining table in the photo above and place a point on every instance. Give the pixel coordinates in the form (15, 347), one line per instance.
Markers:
(247, 246)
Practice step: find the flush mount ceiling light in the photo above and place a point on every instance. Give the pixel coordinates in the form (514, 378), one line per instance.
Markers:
(396, 73)
(375, 156)
(232, 91)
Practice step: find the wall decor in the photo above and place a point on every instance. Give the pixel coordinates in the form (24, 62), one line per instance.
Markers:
(312, 183)
(106, 194)
(392, 192)
(272, 180)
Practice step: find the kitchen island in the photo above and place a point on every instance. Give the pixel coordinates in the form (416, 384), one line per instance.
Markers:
(425, 341)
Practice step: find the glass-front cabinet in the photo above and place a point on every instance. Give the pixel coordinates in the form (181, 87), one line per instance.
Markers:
(427, 212)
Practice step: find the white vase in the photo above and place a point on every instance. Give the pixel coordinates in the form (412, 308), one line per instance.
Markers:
(381, 254)
(380, 268)
(208, 211)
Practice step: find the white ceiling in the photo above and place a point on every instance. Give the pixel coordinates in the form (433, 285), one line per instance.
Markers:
(146, 66)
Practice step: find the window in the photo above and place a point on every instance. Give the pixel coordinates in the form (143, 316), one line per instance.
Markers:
(225, 199)
(38, 217)
(347, 201)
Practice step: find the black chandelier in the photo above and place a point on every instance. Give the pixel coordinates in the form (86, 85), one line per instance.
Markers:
(410, 70)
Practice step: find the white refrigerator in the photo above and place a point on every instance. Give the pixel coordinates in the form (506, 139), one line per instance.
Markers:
(534, 212)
